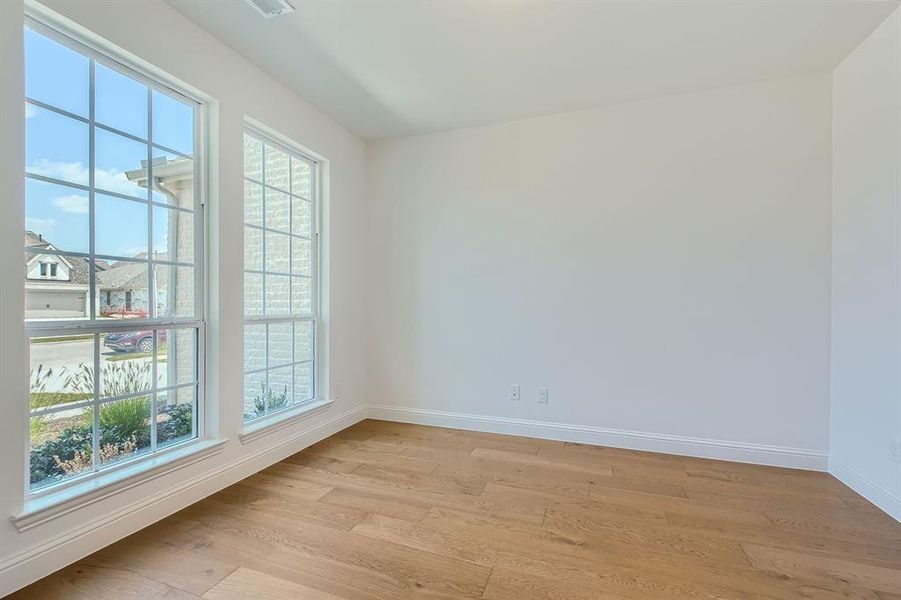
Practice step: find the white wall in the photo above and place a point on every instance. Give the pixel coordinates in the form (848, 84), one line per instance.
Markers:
(155, 32)
(661, 266)
(866, 270)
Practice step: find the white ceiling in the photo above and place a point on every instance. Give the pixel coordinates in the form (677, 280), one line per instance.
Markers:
(387, 68)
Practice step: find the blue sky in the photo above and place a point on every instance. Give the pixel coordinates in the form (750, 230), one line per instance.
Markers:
(57, 146)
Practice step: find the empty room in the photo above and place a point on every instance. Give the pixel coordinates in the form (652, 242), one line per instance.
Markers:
(450, 299)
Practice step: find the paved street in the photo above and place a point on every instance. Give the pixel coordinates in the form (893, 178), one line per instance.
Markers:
(66, 356)
(62, 354)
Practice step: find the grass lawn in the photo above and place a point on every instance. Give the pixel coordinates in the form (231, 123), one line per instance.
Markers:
(56, 340)
(161, 355)
(44, 429)
(45, 399)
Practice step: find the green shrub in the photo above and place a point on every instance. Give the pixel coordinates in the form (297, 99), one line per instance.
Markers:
(276, 400)
(124, 424)
(45, 458)
(125, 419)
(178, 425)
(119, 378)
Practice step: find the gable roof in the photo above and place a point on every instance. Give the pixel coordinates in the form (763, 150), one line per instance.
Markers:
(127, 275)
(79, 269)
(119, 275)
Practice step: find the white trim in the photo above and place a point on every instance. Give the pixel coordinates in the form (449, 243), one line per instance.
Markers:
(43, 253)
(267, 138)
(97, 43)
(26, 567)
(277, 139)
(52, 26)
(51, 285)
(41, 509)
(254, 430)
(877, 493)
(796, 458)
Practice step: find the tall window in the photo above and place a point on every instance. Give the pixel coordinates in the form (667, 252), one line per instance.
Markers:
(280, 276)
(113, 232)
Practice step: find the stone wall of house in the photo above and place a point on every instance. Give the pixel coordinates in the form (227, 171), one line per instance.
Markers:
(115, 300)
(181, 349)
(281, 211)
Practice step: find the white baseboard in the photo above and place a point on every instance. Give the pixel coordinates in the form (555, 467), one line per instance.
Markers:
(884, 498)
(65, 548)
(796, 458)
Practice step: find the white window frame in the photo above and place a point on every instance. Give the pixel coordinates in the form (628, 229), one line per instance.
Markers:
(129, 471)
(271, 420)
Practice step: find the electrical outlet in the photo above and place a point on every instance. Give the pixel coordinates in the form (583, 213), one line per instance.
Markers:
(542, 395)
(514, 391)
(894, 449)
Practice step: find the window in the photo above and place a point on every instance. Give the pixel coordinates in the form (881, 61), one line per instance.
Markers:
(48, 269)
(280, 276)
(114, 218)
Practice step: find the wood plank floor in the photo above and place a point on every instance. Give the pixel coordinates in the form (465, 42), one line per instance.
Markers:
(386, 510)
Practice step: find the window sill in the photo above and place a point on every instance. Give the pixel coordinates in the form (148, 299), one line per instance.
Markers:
(278, 421)
(44, 508)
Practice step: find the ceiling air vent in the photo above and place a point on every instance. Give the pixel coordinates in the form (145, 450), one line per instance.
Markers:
(271, 8)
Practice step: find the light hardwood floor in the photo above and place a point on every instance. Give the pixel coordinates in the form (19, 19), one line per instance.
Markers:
(385, 510)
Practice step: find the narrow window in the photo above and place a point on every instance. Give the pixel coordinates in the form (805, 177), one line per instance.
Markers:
(112, 192)
(281, 285)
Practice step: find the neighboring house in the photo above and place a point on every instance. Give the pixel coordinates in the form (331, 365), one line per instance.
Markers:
(123, 288)
(55, 286)
(58, 286)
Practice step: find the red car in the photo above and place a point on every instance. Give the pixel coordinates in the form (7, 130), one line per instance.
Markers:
(133, 341)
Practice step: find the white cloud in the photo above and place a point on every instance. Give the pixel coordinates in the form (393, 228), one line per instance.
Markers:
(73, 203)
(42, 226)
(106, 179)
(74, 172)
(30, 111)
(116, 181)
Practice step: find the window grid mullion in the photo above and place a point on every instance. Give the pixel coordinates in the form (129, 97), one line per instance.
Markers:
(266, 318)
(278, 366)
(109, 257)
(61, 407)
(265, 390)
(92, 276)
(290, 233)
(314, 270)
(87, 403)
(291, 269)
(92, 201)
(54, 109)
(50, 329)
(105, 192)
(95, 434)
(153, 394)
(92, 325)
(290, 250)
(151, 271)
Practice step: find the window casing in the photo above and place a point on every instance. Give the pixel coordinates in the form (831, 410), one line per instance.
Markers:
(114, 189)
(281, 276)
